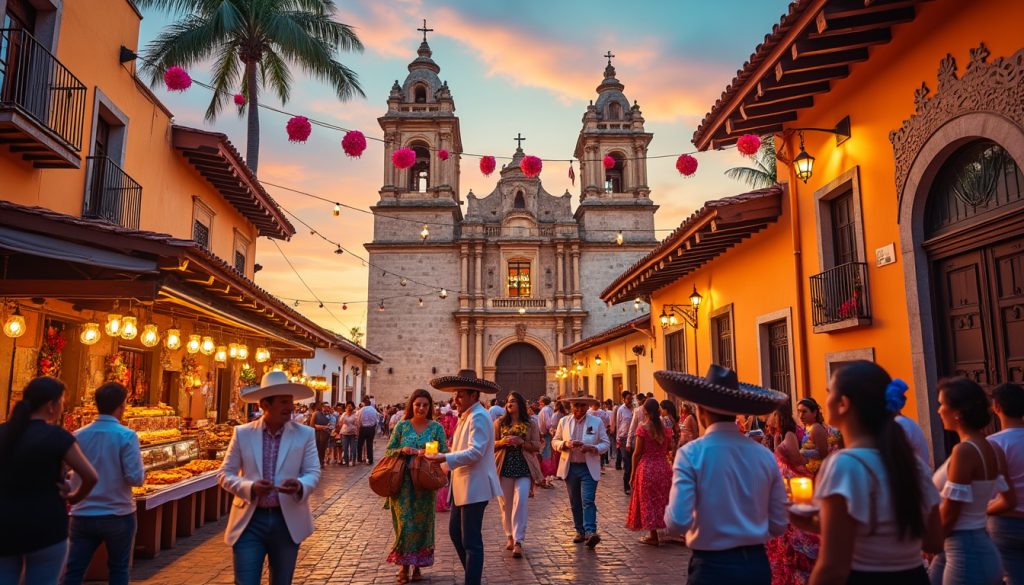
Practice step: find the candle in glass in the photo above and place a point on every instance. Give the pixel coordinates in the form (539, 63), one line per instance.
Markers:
(431, 448)
(802, 489)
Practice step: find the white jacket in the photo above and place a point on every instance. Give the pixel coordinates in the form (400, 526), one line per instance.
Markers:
(471, 459)
(594, 434)
(243, 466)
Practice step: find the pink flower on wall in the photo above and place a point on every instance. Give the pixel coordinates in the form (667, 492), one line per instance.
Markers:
(686, 165)
(748, 144)
(487, 165)
(531, 165)
(177, 79)
(403, 158)
(354, 143)
(298, 129)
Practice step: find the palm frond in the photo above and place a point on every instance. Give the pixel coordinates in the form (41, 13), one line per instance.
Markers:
(184, 43)
(226, 72)
(755, 178)
(274, 74)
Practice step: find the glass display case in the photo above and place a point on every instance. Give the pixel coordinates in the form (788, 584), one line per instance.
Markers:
(170, 454)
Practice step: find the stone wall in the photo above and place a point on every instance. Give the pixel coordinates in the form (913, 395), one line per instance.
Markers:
(599, 266)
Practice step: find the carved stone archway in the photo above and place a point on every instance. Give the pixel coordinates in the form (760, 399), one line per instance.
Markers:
(987, 102)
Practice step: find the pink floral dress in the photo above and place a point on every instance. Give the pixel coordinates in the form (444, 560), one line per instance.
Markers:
(653, 481)
(791, 555)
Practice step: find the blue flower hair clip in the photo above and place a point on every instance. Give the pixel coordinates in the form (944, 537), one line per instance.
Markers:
(895, 395)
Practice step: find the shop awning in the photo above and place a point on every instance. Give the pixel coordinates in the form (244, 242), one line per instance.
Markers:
(638, 325)
(57, 249)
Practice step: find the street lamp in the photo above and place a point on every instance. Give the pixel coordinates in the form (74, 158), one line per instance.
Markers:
(804, 163)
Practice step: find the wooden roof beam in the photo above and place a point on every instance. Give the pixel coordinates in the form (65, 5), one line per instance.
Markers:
(794, 78)
(758, 124)
(750, 111)
(853, 8)
(790, 66)
(827, 24)
(789, 92)
(836, 43)
(728, 139)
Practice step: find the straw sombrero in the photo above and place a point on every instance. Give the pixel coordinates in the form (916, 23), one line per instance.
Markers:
(465, 380)
(276, 384)
(585, 398)
(720, 391)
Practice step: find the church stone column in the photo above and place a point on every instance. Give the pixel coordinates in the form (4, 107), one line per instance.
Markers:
(464, 344)
(464, 282)
(575, 269)
(480, 347)
(559, 358)
(478, 256)
(559, 264)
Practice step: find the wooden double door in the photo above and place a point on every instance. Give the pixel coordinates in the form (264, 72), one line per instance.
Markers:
(520, 368)
(980, 313)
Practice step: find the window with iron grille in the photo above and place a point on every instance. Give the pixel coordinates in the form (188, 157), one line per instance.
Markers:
(722, 339)
(675, 351)
(240, 262)
(201, 234)
(778, 356)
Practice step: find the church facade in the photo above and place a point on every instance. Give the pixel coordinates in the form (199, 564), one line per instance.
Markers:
(499, 283)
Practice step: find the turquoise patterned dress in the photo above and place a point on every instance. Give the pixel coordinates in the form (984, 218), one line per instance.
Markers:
(413, 513)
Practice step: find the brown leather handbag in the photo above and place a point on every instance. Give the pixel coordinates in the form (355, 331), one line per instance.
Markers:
(386, 477)
(426, 475)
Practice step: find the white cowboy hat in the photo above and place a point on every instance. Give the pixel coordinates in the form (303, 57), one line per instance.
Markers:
(276, 383)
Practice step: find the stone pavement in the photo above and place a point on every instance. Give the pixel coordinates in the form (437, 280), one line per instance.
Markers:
(353, 537)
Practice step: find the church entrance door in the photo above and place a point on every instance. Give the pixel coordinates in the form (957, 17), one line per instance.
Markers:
(520, 368)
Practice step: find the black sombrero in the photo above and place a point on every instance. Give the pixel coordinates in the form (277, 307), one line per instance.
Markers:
(465, 380)
(720, 391)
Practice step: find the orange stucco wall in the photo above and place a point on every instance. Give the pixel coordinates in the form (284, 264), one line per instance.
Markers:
(89, 40)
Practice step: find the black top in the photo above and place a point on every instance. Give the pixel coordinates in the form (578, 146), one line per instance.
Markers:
(32, 513)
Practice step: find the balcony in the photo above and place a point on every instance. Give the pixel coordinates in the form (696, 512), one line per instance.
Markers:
(42, 104)
(840, 299)
(518, 302)
(110, 194)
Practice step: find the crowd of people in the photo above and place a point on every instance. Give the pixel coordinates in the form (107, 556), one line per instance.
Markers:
(727, 473)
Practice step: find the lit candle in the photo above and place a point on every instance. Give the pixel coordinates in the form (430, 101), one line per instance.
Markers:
(802, 489)
(431, 448)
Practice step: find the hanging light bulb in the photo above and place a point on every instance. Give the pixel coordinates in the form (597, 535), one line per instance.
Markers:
(425, 232)
(262, 355)
(522, 310)
(339, 251)
(443, 294)
(296, 302)
(381, 307)
(344, 306)
(129, 327)
(233, 350)
(113, 326)
(403, 282)
(597, 360)
(194, 343)
(221, 354)
(321, 304)
(636, 304)
(150, 335)
(243, 352)
(14, 325)
(421, 302)
(90, 333)
(337, 209)
(173, 340)
(207, 346)
(619, 238)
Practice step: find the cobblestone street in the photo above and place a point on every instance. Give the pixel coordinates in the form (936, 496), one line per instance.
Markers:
(353, 536)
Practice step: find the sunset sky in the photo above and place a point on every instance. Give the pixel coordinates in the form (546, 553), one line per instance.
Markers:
(529, 67)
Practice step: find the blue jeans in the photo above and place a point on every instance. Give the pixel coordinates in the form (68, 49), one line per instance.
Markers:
(1008, 535)
(969, 558)
(40, 567)
(465, 529)
(582, 497)
(266, 537)
(627, 464)
(88, 533)
(348, 448)
(745, 565)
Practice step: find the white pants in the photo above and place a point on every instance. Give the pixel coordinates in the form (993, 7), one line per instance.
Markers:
(515, 493)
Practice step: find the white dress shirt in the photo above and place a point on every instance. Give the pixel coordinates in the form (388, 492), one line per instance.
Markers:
(544, 419)
(113, 449)
(368, 416)
(727, 492)
(496, 412)
(623, 417)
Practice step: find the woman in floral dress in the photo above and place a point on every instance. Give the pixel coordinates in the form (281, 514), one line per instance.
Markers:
(652, 474)
(412, 512)
(819, 440)
(517, 441)
(449, 421)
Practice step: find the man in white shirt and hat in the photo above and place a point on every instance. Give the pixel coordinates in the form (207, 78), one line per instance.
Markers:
(474, 477)
(727, 493)
(581, 438)
(271, 468)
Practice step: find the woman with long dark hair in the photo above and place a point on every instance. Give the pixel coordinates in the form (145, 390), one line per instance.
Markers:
(818, 439)
(878, 509)
(967, 481)
(688, 429)
(33, 490)
(516, 442)
(651, 476)
(412, 510)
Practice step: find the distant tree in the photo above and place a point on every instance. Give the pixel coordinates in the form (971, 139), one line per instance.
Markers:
(763, 173)
(356, 335)
(253, 43)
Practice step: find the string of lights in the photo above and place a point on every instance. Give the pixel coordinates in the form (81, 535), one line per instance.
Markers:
(305, 284)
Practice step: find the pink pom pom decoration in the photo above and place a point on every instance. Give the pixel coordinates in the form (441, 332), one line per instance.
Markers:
(177, 79)
(686, 165)
(442, 154)
(748, 144)
(239, 100)
(487, 165)
(298, 129)
(531, 166)
(354, 143)
(608, 162)
(403, 158)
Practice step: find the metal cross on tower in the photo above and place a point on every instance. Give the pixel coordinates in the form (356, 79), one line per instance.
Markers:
(608, 54)
(425, 30)
(519, 140)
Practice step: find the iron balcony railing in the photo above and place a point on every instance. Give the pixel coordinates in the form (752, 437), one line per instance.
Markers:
(110, 194)
(35, 82)
(840, 294)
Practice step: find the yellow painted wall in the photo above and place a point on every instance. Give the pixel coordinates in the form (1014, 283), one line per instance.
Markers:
(616, 356)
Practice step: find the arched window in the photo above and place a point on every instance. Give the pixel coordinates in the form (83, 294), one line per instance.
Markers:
(419, 94)
(613, 176)
(419, 173)
(615, 111)
(977, 178)
(520, 201)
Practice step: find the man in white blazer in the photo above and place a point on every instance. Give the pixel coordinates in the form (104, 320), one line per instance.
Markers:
(470, 461)
(271, 468)
(581, 439)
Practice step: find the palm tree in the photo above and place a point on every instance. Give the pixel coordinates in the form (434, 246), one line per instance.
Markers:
(762, 174)
(255, 40)
(356, 335)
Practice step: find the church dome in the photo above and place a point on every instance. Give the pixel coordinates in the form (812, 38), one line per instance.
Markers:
(611, 103)
(422, 72)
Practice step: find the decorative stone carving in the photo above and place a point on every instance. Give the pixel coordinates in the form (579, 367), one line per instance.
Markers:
(996, 87)
(521, 331)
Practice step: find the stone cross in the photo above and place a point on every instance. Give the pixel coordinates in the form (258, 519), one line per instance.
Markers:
(519, 140)
(608, 54)
(425, 30)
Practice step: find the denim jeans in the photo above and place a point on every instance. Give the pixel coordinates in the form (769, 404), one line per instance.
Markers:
(40, 567)
(465, 529)
(1008, 535)
(969, 558)
(745, 565)
(627, 464)
(348, 448)
(266, 537)
(582, 497)
(88, 533)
